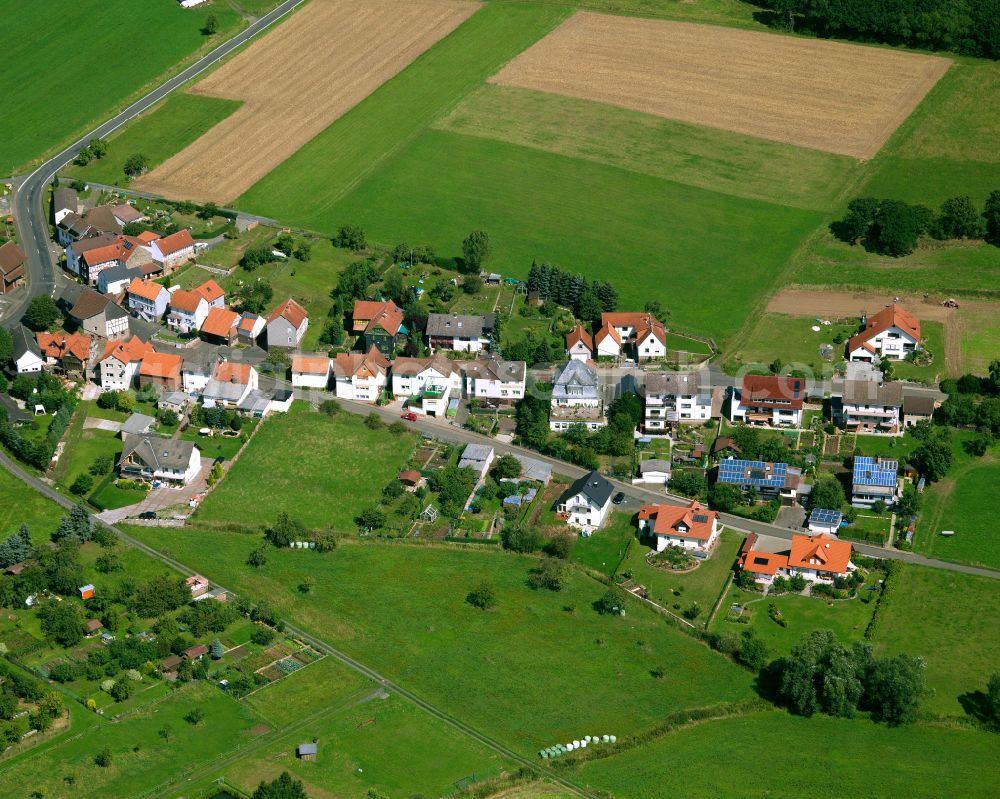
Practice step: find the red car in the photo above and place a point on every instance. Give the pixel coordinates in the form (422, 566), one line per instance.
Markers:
(410, 417)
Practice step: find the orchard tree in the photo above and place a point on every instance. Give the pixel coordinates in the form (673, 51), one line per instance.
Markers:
(959, 219)
(211, 25)
(135, 165)
(483, 596)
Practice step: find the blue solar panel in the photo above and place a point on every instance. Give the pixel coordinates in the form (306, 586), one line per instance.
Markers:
(869, 473)
(825, 516)
(752, 473)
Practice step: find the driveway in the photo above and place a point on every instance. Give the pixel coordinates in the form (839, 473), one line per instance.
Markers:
(164, 497)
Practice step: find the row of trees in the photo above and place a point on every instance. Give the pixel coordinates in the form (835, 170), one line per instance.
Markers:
(893, 227)
(571, 290)
(971, 27)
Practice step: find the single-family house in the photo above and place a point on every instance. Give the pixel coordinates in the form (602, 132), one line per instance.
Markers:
(119, 365)
(250, 327)
(152, 457)
(770, 400)
(378, 324)
(872, 480)
(869, 406)
(70, 353)
(676, 397)
(213, 294)
(361, 376)
(311, 371)
(104, 252)
(126, 214)
(287, 325)
(220, 325)
(147, 299)
(99, 315)
(763, 567)
(825, 520)
(608, 341)
(769, 480)
(576, 397)
(75, 227)
(819, 557)
(891, 334)
(117, 278)
(188, 310)
(199, 366)
(65, 201)
(579, 344)
(690, 526)
(641, 334)
(587, 502)
(173, 250)
(655, 471)
(490, 377)
(198, 651)
(460, 332)
(427, 384)
(27, 356)
(917, 408)
(162, 370)
(230, 384)
(11, 267)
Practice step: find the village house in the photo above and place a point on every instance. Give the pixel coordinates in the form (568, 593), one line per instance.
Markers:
(874, 480)
(638, 334)
(576, 398)
(75, 227)
(188, 310)
(360, 376)
(871, 407)
(161, 370)
(770, 400)
(199, 366)
(608, 342)
(460, 333)
(27, 356)
(691, 527)
(378, 324)
(891, 334)
(287, 325)
(11, 267)
(769, 480)
(219, 326)
(917, 408)
(673, 397)
(152, 457)
(65, 201)
(197, 585)
(311, 371)
(70, 353)
(126, 214)
(117, 278)
(173, 250)
(102, 245)
(147, 299)
(579, 344)
(249, 328)
(97, 313)
(230, 385)
(492, 378)
(427, 384)
(817, 558)
(587, 502)
(92, 261)
(119, 365)
(213, 294)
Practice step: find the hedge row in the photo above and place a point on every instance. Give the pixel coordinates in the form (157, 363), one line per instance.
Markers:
(894, 570)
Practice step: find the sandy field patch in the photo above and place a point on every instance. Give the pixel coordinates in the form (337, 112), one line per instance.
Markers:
(841, 98)
(294, 83)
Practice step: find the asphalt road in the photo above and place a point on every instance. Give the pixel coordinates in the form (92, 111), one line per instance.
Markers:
(31, 212)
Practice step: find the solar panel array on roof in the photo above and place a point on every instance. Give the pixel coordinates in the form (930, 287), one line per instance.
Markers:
(869, 473)
(700, 518)
(825, 516)
(752, 473)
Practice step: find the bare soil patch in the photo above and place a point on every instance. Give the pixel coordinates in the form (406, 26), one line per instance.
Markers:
(840, 98)
(296, 81)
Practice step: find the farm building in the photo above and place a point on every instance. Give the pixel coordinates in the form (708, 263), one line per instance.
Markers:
(306, 751)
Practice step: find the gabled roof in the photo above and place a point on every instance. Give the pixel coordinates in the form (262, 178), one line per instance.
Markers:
(310, 364)
(867, 392)
(654, 465)
(773, 391)
(890, 316)
(233, 372)
(830, 554)
(440, 363)
(594, 486)
(11, 257)
(119, 272)
(175, 242)
(607, 331)
(291, 311)
(161, 364)
(357, 365)
(248, 321)
(219, 322)
(644, 324)
(918, 405)
(386, 315)
(763, 562)
(146, 289)
(148, 237)
(578, 334)
(96, 220)
(24, 341)
(156, 452)
(693, 521)
(89, 303)
(187, 301)
(58, 345)
(210, 290)
(675, 383)
(491, 367)
(133, 350)
(126, 213)
(459, 325)
(65, 198)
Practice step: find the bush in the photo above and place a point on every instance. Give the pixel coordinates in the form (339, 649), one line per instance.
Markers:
(64, 672)
(551, 574)
(612, 602)
(104, 757)
(373, 421)
(329, 407)
(520, 539)
(82, 484)
(262, 635)
(483, 596)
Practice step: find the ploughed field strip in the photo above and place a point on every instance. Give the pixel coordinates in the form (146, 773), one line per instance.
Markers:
(840, 98)
(295, 82)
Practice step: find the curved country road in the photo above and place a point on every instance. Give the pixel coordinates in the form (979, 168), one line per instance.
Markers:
(30, 209)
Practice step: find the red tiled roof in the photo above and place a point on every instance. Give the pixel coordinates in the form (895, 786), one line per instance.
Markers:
(773, 390)
(357, 365)
(890, 316)
(831, 555)
(606, 331)
(668, 519)
(579, 334)
(368, 315)
(127, 351)
(146, 289)
(175, 242)
(148, 237)
(310, 364)
(290, 310)
(763, 562)
(219, 322)
(161, 364)
(57, 345)
(187, 301)
(247, 323)
(231, 371)
(210, 290)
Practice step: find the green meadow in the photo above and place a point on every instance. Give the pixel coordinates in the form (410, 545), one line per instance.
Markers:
(20, 503)
(68, 64)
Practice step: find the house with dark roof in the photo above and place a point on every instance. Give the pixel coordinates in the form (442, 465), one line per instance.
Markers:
(768, 400)
(491, 377)
(768, 480)
(126, 214)
(576, 398)
(587, 502)
(460, 332)
(231, 384)
(871, 407)
(99, 315)
(152, 457)
(11, 267)
(65, 201)
(27, 357)
(917, 408)
(378, 324)
(287, 325)
(691, 526)
(874, 480)
(891, 334)
(117, 277)
(77, 226)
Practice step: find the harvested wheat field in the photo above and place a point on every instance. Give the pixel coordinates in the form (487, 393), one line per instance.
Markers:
(296, 81)
(840, 98)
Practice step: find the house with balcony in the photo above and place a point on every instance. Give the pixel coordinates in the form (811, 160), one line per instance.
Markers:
(576, 398)
(891, 334)
(817, 558)
(359, 376)
(691, 526)
(188, 311)
(378, 324)
(489, 377)
(147, 300)
(637, 334)
(426, 384)
(768, 400)
(676, 397)
(587, 502)
(871, 407)
(769, 480)
(460, 332)
(149, 457)
(872, 480)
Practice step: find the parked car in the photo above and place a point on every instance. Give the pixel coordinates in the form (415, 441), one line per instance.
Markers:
(410, 417)
(147, 514)
(618, 498)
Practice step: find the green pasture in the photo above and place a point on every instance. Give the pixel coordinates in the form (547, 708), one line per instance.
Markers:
(20, 503)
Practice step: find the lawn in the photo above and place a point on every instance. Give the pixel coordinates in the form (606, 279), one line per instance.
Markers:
(321, 470)
(949, 619)
(604, 550)
(19, 503)
(932, 334)
(511, 671)
(792, 340)
(718, 160)
(65, 66)
(604, 221)
(158, 134)
(760, 756)
(325, 683)
(83, 449)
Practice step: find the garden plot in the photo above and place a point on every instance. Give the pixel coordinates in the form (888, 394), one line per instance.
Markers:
(839, 98)
(294, 83)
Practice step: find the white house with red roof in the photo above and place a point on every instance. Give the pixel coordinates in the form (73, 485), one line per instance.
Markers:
(361, 376)
(769, 400)
(639, 331)
(579, 344)
(230, 384)
(147, 299)
(608, 342)
(690, 526)
(287, 325)
(310, 371)
(213, 294)
(119, 365)
(891, 334)
(173, 250)
(817, 558)
(188, 311)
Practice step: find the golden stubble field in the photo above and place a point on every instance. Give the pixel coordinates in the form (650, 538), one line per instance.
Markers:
(840, 98)
(295, 82)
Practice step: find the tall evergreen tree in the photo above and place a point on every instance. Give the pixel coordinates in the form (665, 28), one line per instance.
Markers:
(534, 277)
